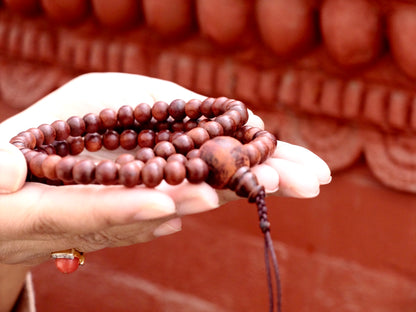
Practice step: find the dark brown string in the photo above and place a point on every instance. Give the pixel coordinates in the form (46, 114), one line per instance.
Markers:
(269, 253)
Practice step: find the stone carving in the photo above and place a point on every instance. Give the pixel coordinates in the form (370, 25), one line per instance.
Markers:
(338, 75)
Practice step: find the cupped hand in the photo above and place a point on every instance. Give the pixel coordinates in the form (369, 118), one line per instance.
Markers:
(37, 219)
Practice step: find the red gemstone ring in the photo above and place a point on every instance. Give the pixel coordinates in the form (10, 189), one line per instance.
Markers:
(68, 261)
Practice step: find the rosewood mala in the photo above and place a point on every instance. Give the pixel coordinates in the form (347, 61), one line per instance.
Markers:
(200, 141)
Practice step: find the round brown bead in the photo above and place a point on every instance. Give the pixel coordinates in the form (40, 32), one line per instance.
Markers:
(263, 149)
(190, 124)
(61, 148)
(84, 171)
(92, 142)
(124, 159)
(125, 116)
(29, 155)
(128, 139)
(177, 157)
(196, 170)
(235, 116)
(27, 138)
(176, 109)
(35, 165)
(143, 113)
(108, 118)
(129, 173)
(206, 107)
(62, 130)
(213, 128)
(75, 145)
(146, 138)
(183, 144)
(159, 160)
(160, 111)
(152, 174)
(241, 109)
(144, 154)
(77, 126)
(249, 133)
(177, 126)
(49, 166)
(64, 169)
(164, 149)
(198, 135)
(106, 172)
(192, 109)
(227, 124)
(193, 154)
(218, 106)
(49, 133)
(38, 135)
(163, 135)
(47, 149)
(111, 140)
(174, 172)
(252, 153)
(92, 123)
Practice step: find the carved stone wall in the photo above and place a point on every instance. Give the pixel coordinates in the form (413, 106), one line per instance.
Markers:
(335, 76)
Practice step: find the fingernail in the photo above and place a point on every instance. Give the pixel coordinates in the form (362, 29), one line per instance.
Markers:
(169, 227)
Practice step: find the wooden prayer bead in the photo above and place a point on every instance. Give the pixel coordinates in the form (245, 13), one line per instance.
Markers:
(38, 134)
(164, 149)
(144, 154)
(192, 109)
(93, 142)
(125, 116)
(130, 173)
(128, 139)
(111, 140)
(83, 171)
(183, 144)
(92, 123)
(108, 118)
(152, 174)
(61, 148)
(163, 135)
(64, 169)
(35, 165)
(177, 157)
(49, 133)
(62, 130)
(213, 128)
(196, 170)
(227, 123)
(49, 166)
(206, 107)
(160, 111)
(174, 172)
(77, 126)
(143, 113)
(223, 155)
(106, 172)
(146, 138)
(198, 135)
(124, 159)
(75, 145)
(176, 109)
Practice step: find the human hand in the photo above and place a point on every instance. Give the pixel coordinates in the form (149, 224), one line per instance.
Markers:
(36, 219)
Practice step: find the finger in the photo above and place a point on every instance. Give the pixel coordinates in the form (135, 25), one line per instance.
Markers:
(306, 158)
(191, 198)
(39, 210)
(267, 176)
(13, 168)
(295, 180)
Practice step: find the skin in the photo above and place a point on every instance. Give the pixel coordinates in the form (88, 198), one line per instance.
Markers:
(37, 219)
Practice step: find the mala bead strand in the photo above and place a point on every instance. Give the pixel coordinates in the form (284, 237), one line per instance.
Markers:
(198, 141)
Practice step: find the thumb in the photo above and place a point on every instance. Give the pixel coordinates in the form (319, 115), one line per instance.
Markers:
(13, 168)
